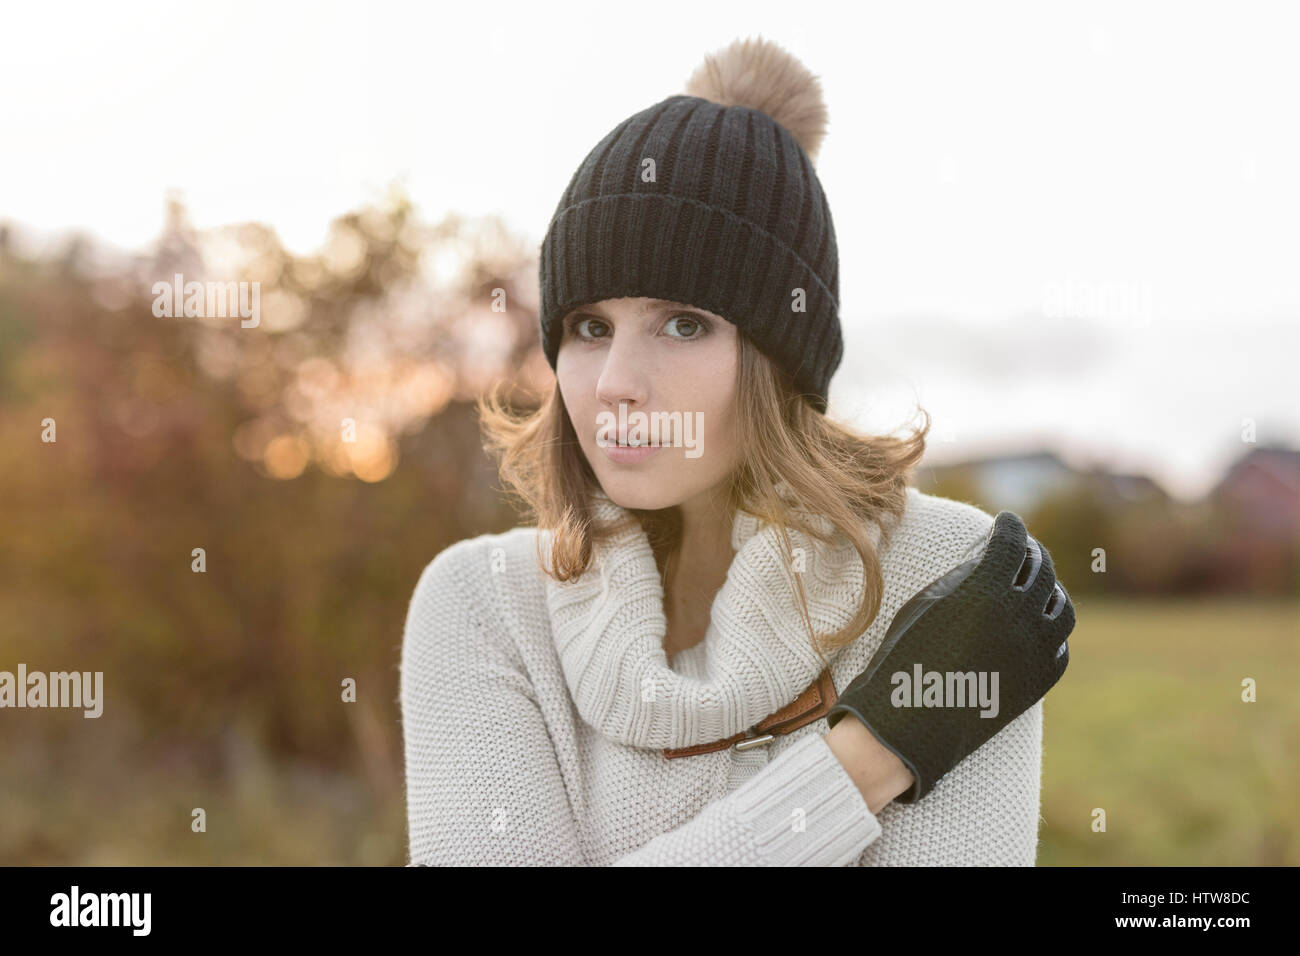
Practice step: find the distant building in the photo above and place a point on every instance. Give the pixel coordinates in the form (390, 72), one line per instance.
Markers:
(1261, 493)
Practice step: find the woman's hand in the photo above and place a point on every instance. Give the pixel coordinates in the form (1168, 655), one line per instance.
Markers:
(963, 657)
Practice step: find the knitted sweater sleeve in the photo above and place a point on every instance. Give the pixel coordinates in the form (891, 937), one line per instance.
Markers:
(802, 809)
(483, 783)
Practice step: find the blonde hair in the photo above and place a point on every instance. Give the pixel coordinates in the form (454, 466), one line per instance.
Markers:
(848, 478)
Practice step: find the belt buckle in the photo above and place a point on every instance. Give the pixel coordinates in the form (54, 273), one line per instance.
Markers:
(749, 743)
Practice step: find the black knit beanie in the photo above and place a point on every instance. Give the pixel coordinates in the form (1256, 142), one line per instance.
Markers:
(715, 205)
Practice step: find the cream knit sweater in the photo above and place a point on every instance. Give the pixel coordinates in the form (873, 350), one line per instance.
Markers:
(535, 713)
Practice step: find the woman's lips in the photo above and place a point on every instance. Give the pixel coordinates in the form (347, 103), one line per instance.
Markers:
(628, 454)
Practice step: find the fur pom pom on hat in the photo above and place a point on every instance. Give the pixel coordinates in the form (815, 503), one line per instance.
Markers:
(710, 198)
(762, 76)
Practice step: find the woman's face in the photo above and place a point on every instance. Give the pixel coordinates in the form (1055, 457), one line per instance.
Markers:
(671, 369)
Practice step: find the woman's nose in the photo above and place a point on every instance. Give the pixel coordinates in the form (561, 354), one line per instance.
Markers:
(623, 378)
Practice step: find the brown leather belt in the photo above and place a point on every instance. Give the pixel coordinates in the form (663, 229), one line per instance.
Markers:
(813, 703)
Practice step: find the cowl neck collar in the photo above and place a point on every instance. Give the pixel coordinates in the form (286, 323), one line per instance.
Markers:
(609, 627)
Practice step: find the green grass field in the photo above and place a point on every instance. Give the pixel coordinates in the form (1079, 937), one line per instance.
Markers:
(1149, 725)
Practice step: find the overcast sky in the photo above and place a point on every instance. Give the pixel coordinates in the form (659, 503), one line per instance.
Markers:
(1064, 225)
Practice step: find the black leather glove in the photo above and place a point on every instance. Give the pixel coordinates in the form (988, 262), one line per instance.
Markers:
(1001, 618)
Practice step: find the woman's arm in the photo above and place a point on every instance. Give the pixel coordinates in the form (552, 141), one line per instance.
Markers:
(985, 811)
(802, 809)
(484, 787)
(756, 824)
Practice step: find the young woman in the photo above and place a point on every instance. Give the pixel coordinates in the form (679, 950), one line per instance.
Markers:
(736, 635)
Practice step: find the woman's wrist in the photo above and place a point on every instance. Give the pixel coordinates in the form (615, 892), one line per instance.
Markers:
(876, 770)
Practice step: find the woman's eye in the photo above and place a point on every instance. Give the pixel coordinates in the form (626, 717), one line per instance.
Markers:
(696, 327)
(575, 323)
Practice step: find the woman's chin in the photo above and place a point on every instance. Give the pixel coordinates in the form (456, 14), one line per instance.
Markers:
(643, 493)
